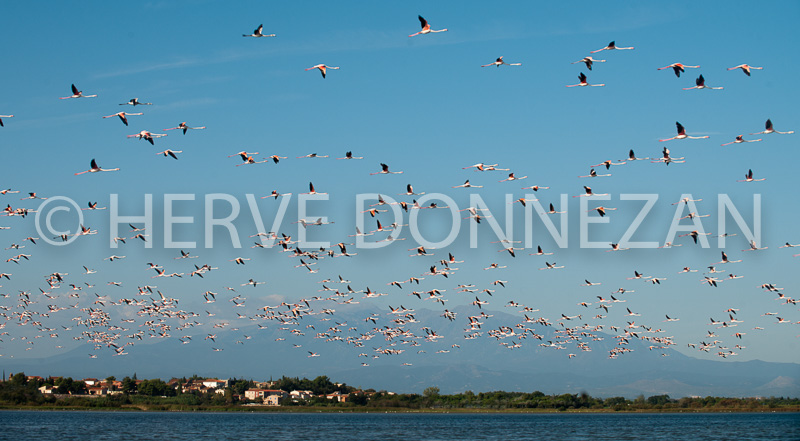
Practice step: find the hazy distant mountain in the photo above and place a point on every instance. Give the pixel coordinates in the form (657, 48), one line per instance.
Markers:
(479, 365)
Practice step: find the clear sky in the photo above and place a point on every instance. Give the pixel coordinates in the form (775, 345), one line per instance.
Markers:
(424, 106)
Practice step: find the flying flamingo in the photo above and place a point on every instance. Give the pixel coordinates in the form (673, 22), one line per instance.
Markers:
(511, 177)
(169, 152)
(322, 68)
(135, 102)
(123, 116)
(466, 184)
(426, 28)
(588, 61)
(769, 129)
(608, 163)
(682, 134)
(95, 168)
(588, 193)
(700, 83)
(275, 195)
(611, 46)
(740, 139)
(583, 82)
(553, 210)
(479, 166)
(385, 171)
(311, 189)
(499, 62)
(749, 177)
(310, 155)
(184, 127)
(632, 157)
(144, 134)
(4, 116)
(349, 155)
(667, 159)
(257, 32)
(593, 174)
(602, 211)
(535, 188)
(77, 94)
(745, 68)
(410, 191)
(677, 68)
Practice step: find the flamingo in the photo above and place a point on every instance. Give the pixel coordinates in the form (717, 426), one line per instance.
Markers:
(275, 195)
(602, 211)
(184, 127)
(349, 155)
(511, 177)
(593, 174)
(410, 191)
(4, 116)
(754, 247)
(93, 168)
(769, 129)
(745, 68)
(632, 157)
(583, 82)
(694, 235)
(499, 62)
(169, 152)
(144, 134)
(588, 61)
(77, 94)
(536, 188)
(385, 171)
(123, 116)
(310, 155)
(740, 139)
(426, 28)
(258, 32)
(311, 189)
(700, 83)
(726, 260)
(608, 163)
(677, 68)
(322, 68)
(135, 102)
(479, 166)
(611, 46)
(749, 177)
(667, 159)
(588, 193)
(682, 134)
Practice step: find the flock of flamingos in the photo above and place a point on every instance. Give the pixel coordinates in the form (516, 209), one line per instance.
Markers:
(111, 317)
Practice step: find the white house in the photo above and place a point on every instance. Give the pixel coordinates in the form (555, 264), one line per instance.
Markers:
(213, 383)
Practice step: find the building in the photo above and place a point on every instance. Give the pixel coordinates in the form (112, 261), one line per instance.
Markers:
(213, 383)
(297, 395)
(268, 396)
(339, 397)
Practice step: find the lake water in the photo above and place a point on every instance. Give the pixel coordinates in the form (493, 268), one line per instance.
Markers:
(95, 426)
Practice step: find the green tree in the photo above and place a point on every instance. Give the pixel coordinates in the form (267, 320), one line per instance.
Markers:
(431, 392)
(128, 385)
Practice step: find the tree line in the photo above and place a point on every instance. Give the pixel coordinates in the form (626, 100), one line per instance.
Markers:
(156, 393)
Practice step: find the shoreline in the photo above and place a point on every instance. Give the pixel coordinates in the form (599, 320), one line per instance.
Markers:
(309, 410)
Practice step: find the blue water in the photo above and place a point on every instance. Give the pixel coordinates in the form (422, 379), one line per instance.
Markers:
(95, 426)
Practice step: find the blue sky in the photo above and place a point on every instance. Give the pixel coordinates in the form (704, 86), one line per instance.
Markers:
(423, 105)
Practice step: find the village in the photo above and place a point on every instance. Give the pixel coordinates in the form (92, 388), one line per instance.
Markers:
(242, 392)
